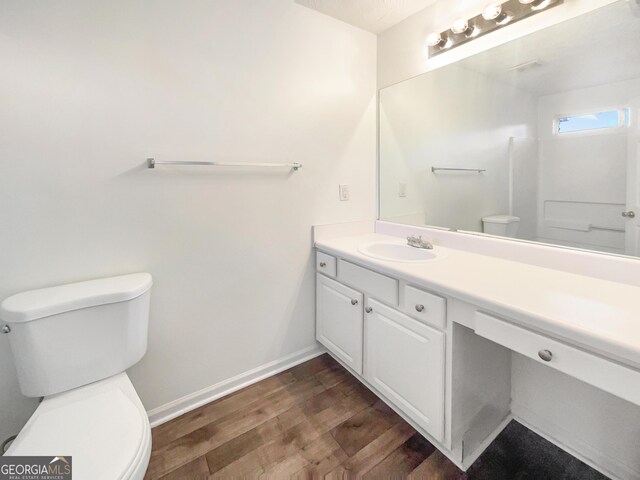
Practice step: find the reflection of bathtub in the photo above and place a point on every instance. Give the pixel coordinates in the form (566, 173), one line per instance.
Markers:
(590, 225)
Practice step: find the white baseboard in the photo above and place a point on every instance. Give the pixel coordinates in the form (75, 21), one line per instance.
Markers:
(574, 446)
(171, 410)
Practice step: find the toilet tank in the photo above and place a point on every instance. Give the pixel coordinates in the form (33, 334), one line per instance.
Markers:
(502, 225)
(67, 336)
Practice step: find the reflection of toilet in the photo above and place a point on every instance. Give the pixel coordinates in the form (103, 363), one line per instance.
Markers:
(502, 225)
(71, 344)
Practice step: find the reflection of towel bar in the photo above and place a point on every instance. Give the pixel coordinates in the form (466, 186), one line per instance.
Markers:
(477, 170)
(579, 226)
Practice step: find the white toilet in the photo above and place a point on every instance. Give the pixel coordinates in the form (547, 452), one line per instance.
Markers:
(71, 345)
(502, 225)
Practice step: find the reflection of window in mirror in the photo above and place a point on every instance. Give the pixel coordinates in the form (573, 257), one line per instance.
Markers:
(601, 121)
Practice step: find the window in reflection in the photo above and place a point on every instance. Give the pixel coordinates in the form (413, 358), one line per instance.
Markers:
(593, 121)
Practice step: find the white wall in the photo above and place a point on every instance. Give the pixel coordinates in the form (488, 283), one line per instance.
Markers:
(90, 89)
(583, 175)
(402, 52)
(457, 118)
(596, 426)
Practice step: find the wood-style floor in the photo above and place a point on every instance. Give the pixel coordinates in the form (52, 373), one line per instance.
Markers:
(312, 421)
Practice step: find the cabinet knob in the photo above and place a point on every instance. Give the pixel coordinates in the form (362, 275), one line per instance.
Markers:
(323, 264)
(419, 308)
(368, 309)
(354, 302)
(629, 214)
(545, 355)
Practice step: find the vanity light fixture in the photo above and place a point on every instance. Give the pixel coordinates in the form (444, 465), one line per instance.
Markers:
(495, 15)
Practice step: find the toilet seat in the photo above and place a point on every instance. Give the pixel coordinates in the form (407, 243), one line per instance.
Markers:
(102, 426)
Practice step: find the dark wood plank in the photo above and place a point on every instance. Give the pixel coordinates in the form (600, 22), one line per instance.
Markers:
(237, 401)
(322, 456)
(315, 366)
(302, 425)
(195, 470)
(402, 461)
(333, 375)
(270, 431)
(363, 428)
(437, 467)
(243, 444)
(197, 443)
(374, 453)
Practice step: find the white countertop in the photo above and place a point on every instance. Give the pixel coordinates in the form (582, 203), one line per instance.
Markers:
(599, 315)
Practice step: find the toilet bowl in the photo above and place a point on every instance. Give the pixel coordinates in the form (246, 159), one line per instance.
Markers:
(71, 345)
(103, 427)
(502, 225)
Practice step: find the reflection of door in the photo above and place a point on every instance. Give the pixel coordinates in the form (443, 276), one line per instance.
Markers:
(632, 213)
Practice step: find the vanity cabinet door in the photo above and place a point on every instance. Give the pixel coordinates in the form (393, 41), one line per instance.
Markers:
(404, 360)
(339, 321)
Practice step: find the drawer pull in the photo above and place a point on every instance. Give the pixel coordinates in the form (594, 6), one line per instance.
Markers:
(419, 308)
(323, 264)
(368, 309)
(354, 302)
(545, 355)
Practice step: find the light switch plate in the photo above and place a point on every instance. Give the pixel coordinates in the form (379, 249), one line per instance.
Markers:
(344, 193)
(402, 190)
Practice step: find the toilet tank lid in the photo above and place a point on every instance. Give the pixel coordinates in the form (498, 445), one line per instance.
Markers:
(501, 219)
(44, 302)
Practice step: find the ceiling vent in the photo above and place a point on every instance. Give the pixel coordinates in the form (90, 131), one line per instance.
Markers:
(526, 66)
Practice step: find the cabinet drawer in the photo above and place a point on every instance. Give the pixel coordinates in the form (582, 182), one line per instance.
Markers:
(592, 369)
(375, 284)
(424, 306)
(326, 264)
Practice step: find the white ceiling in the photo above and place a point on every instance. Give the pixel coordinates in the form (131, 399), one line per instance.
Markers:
(376, 16)
(594, 49)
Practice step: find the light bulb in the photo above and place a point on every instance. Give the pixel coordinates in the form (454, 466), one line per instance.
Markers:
(536, 4)
(493, 11)
(462, 26)
(436, 39)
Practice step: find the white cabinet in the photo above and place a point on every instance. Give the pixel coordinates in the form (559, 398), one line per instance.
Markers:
(339, 321)
(404, 360)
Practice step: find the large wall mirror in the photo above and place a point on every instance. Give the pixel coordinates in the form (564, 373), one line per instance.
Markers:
(536, 139)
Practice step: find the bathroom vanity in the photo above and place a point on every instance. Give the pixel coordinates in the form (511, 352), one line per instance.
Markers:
(434, 336)
(489, 156)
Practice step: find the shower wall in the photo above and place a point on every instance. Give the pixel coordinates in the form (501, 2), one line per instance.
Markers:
(455, 118)
(582, 176)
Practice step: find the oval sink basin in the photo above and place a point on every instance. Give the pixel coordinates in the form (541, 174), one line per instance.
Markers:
(397, 252)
